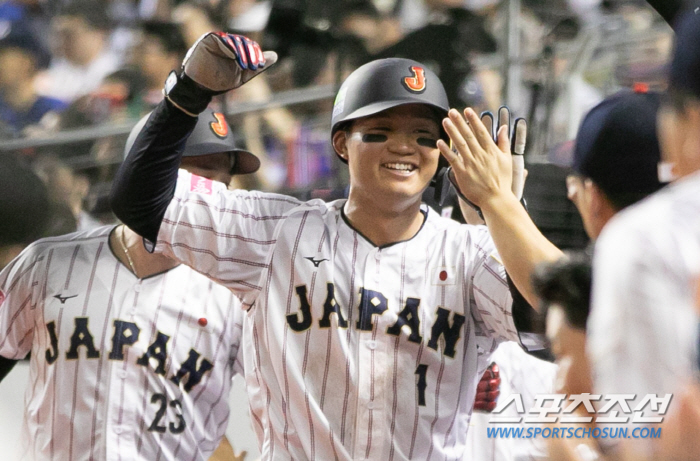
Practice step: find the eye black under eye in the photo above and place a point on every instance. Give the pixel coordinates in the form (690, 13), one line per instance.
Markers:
(427, 142)
(373, 137)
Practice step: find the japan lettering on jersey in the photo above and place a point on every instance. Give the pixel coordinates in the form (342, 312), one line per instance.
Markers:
(359, 352)
(121, 368)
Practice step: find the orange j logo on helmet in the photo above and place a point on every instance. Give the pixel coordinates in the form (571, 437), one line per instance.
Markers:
(415, 82)
(220, 127)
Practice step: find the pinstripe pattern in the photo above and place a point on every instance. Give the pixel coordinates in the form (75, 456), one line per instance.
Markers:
(286, 407)
(105, 327)
(330, 392)
(101, 408)
(643, 315)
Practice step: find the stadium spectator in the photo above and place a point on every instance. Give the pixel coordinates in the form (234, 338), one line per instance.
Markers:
(161, 49)
(67, 192)
(82, 57)
(21, 58)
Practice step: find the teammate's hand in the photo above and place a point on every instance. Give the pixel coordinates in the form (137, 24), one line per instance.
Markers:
(218, 62)
(487, 391)
(482, 162)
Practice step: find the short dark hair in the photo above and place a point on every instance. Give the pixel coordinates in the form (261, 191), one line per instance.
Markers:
(91, 11)
(566, 282)
(621, 200)
(362, 7)
(24, 202)
(132, 78)
(679, 100)
(168, 34)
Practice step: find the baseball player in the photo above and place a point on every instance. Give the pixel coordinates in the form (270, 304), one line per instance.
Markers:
(132, 353)
(564, 287)
(24, 197)
(619, 134)
(363, 315)
(512, 371)
(647, 259)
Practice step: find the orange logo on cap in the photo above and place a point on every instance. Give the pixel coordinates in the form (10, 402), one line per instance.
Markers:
(220, 127)
(416, 82)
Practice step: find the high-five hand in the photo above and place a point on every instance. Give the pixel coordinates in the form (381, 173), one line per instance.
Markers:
(472, 214)
(482, 167)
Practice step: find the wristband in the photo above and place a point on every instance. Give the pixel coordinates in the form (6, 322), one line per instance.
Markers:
(186, 94)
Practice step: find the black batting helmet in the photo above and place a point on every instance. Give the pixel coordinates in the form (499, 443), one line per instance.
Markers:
(385, 83)
(211, 135)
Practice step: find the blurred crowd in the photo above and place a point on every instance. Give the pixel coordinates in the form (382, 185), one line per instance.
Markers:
(68, 65)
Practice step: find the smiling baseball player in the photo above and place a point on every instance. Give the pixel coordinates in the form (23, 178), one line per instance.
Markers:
(364, 314)
(132, 354)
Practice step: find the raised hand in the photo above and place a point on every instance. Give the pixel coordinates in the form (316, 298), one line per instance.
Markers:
(218, 62)
(483, 164)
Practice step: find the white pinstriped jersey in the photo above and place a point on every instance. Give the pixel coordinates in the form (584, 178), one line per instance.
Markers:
(642, 331)
(521, 374)
(359, 352)
(121, 368)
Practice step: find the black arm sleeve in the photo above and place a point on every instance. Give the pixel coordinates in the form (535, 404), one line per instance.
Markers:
(145, 183)
(525, 318)
(6, 366)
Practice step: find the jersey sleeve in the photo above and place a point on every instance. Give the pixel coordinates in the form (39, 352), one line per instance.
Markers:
(641, 321)
(642, 326)
(493, 301)
(226, 235)
(19, 293)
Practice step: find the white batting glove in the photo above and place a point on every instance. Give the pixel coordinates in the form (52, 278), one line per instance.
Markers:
(218, 62)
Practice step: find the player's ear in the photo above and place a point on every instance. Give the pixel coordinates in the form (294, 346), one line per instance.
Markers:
(596, 198)
(691, 146)
(340, 143)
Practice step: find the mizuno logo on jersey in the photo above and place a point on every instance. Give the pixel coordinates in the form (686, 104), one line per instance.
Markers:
(63, 299)
(375, 303)
(316, 262)
(126, 334)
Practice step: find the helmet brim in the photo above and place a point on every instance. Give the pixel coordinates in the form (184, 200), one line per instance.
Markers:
(246, 162)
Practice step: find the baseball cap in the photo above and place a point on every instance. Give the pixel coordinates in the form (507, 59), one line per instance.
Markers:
(211, 135)
(616, 145)
(685, 65)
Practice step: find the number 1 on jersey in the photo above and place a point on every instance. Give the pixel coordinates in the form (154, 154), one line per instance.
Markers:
(421, 384)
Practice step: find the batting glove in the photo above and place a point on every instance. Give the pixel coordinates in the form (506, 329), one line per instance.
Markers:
(518, 137)
(487, 391)
(218, 62)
